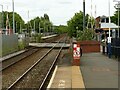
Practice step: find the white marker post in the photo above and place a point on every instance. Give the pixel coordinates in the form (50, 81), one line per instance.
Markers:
(109, 38)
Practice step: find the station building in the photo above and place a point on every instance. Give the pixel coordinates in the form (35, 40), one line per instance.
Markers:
(102, 26)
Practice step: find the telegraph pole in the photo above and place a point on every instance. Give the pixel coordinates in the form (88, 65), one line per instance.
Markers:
(83, 14)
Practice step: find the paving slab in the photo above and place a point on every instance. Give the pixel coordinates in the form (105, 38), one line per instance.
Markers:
(99, 71)
(62, 78)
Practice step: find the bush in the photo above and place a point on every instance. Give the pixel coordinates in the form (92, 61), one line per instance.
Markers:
(36, 37)
(85, 35)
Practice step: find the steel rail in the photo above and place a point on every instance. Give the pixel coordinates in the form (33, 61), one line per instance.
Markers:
(18, 60)
(32, 67)
(41, 86)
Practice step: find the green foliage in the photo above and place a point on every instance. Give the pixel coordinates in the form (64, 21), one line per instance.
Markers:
(21, 45)
(18, 21)
(85, 35)
(42, 23)
(114, 18)
(76, 23)
(36, 38)
(61, 29)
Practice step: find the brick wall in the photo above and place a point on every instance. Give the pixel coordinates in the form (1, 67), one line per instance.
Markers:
(90, 46)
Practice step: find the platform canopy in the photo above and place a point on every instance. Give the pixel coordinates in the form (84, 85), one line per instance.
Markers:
(106, 26)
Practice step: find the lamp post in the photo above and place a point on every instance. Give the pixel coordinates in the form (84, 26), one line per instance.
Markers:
(39, 28)
(2, 21)
(118, 18)
(109, 38)
(13, 17)
(83, 14)
(117, 6)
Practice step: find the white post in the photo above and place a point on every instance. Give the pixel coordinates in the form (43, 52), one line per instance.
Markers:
(34, 25)
(109, 38)
(118, 18)
(13, 17)
(20, 28)
(16, 28)
(109, 18)
(2, 16)
(28, 23)
(39, 27)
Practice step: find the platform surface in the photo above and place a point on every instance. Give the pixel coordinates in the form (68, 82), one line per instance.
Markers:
(99, 71)
(45, 37)
(67, 77)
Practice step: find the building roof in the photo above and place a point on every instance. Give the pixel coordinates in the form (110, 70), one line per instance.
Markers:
(109, 25)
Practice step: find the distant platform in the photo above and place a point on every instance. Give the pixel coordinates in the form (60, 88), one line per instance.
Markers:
(11, 55)
(45, 37)
(49, 45)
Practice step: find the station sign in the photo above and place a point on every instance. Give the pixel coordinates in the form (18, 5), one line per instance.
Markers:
(76, 51)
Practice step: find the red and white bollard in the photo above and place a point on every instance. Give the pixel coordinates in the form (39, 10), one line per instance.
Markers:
(76, 54)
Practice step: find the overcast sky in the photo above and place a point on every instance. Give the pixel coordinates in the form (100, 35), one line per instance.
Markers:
(59, 11)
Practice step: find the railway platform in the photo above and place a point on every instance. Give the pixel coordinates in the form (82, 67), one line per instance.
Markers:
(11, 55)
(46, 37)
(49, 45)
(99, 71)
(66, 77)
(96, 71)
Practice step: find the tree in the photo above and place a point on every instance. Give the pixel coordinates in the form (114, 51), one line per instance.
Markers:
(61, 29)
(114, 18)
(42, 23)
(19, 22)
(46, 17)
(85, 35)
(76, 23)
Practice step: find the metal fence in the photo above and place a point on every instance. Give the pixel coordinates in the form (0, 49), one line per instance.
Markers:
(115, 46)
(8, 44)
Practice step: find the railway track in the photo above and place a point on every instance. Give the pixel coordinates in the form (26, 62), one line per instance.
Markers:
(11, 61)
(14, 83)
(34, 72)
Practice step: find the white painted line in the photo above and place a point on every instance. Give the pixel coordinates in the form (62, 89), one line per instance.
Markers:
(61, 84)
(53, 75)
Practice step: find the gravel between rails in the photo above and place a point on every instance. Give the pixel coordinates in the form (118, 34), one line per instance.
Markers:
(34, 78)
(7, 62)
(10, 74)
